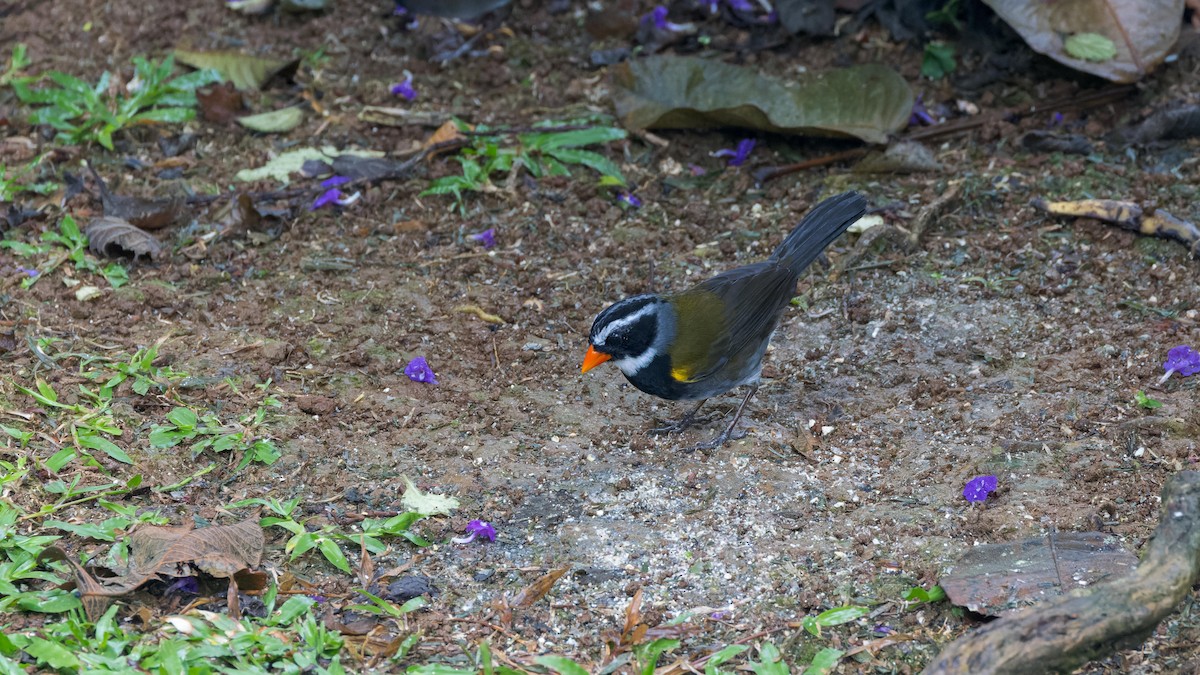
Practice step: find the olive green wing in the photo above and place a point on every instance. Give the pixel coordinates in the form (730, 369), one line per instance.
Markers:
(724, 316)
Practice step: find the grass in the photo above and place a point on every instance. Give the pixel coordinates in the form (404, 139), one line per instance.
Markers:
(548, 152)
(68, 244)
(84, 112)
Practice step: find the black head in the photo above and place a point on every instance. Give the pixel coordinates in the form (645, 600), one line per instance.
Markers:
(627, 329)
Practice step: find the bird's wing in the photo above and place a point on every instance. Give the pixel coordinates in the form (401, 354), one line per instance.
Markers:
(751, 296)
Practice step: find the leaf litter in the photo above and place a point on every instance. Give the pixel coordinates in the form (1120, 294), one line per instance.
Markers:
(160, 552)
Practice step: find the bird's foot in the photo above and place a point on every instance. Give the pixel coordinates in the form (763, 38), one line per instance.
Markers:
(717, 441)
(679, 425)
(684, 422)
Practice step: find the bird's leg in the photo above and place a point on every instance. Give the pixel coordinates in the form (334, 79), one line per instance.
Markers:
(727, 435)
(683, 423)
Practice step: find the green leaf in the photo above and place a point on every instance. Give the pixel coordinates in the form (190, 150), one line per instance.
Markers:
(275, 121)
(54, 601)
(95, 442)
(576, 138)
(592, 160)
(1145, 401)
(60, 459)
(333, 553)
(721, 656)
(51, 653)
(166, 436)
(825, 661)
(918, 594)
(438, 669)
(1090, 47)
(561, 665)
(649, 654)
(166, 115)
(938, 60)
(105, 531)
(771, 662)
(183, 418)
(834, 617)
(296, 606)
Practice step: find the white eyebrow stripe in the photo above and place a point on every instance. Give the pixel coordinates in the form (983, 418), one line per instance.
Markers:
(621, 323)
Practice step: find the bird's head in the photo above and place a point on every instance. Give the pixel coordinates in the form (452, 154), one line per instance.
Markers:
(631, 332)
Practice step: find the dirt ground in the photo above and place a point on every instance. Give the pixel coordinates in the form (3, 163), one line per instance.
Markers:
(1007, 343)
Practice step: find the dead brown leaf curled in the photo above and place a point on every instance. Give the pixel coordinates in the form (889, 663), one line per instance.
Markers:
(538, 589)
(113, 237)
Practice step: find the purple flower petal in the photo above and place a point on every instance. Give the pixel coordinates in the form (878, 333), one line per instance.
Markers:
(405, 88)
(739, 155)
(697, 170)
(482, 528)
(487, 237)
(977, 489)
(629, 199)
(920, 114)
(188, 585)
(330, 196)
(740, 5)
(1183, 360)
(334, 181)
(659, 17)
(29, 271)
(418, 370)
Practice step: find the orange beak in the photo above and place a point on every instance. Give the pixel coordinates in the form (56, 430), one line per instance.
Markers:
(594, 358)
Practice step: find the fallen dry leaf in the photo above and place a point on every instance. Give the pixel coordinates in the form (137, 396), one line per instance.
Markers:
(113, 237)
(538, 589)
(148, 214)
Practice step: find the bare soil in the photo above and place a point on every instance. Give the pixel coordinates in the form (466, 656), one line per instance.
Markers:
(1006, 344)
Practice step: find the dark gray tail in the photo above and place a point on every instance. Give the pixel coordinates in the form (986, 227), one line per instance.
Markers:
(826, 222)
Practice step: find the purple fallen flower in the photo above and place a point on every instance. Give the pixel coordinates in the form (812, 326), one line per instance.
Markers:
(738, 156)
(29, 271)
(1183, 360)
(418, 370)
(188, 585)
(920, 114)
(740, 5)
(477, 528)
(659, 17)
(405, 88)
(334, 196)
(630, 199)
(487, 237)
(977, 488)
(697, 170)
(334, 181)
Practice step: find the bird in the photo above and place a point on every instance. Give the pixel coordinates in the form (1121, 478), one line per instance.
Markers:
(711, 338)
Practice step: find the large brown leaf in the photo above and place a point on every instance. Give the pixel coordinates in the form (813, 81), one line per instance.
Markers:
(675, 92)
(1143, 31)
(996, 578)
(220, 551)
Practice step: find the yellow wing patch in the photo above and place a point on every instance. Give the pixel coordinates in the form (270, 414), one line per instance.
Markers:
(681, 374)
(699, 329)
